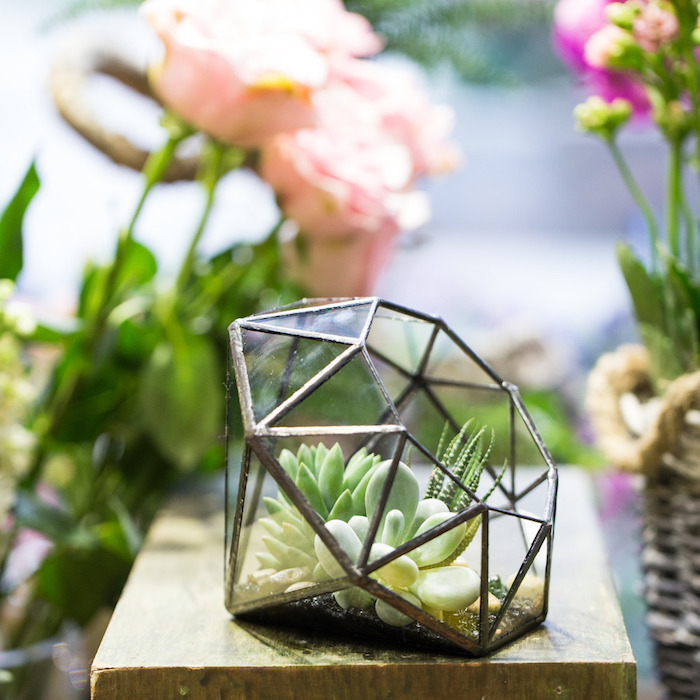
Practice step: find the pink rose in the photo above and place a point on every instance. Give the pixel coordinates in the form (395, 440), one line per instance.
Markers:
(575, 22)
(404, 111)
(348, 183)
(242, 70)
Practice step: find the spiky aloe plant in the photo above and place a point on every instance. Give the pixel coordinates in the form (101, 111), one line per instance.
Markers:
(466, 457)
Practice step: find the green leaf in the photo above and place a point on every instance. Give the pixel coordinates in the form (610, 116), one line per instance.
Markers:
(342, 508)
(48, 334)
(307, 484)
(304, 456)
(33, 513)
(11, 256)
(358, 466)
(404, 492)
(360, 491)
(439, 548)
(330, 475)
(645, 291)
(139, 265)
(181, 399)
(681, 318)
(80, 580)
(289, 463)
(663, 357)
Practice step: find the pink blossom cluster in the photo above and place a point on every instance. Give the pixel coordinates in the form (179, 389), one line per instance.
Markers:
(341, 139)
(598, 40)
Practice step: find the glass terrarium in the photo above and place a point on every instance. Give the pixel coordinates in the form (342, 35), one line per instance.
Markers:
(389, 483)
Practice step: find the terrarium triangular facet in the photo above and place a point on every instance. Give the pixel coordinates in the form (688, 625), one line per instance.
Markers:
(399, 340)
(342, 322)
(349, 396)
(453, 362)
(279, 365)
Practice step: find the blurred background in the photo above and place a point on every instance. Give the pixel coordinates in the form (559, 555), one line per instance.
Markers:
(518, 256)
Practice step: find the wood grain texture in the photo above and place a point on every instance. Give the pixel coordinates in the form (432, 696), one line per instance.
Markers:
(170, 636)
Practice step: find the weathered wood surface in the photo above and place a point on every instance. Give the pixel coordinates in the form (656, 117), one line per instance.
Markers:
(170, 636)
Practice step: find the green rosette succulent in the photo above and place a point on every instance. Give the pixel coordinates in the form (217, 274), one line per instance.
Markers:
(335, 490)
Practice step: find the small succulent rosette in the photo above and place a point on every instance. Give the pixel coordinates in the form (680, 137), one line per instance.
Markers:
(389, 483)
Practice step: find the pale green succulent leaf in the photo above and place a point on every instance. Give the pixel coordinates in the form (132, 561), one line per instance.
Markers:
(358, 466)
(305, 456)
(342, 509)
(401, 572)
(394, 524)
(306, 481)
(292, 535)
(289, 463)
(403, 495)
(448, 588)
(287, 555)
(319, 452)
(426, 508)
(390, 615)
(360, 524)
(347, 539)
(268, 561)
(353, 598)
(441, 547)
(360, 491)
(273, 505)
(271, 527)
(330, 474)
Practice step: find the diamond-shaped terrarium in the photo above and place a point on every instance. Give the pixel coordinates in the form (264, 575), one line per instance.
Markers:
(390, 485)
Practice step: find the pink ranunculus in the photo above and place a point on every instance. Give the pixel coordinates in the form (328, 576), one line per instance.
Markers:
(242, 71)
(575, 22)
(352, 177)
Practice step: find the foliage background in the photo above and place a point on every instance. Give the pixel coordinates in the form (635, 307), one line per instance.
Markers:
(520, 248)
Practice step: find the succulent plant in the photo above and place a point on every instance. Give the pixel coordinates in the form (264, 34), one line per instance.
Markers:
(346, 497)
(426, 576)
(336, 491)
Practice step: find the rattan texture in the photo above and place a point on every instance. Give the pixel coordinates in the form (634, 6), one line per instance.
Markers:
(671, 565)
(667, 456)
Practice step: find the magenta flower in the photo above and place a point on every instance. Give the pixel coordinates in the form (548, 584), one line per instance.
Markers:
(575, 23)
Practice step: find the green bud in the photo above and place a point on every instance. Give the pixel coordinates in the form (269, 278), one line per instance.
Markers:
(622, 14)
(175, 126)
(596, 116)
(671, 117)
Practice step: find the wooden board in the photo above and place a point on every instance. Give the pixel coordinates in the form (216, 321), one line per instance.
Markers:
(170, 636)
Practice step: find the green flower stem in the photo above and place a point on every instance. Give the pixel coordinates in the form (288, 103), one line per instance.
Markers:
(214, 168)
(153, 171)
(638, 197)
(673, 196)
(234, 274)
(58, 401)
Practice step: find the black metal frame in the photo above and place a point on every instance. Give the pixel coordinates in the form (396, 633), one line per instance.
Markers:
(258, 433)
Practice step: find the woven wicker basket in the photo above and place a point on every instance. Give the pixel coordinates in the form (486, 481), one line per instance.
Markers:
(661, 442)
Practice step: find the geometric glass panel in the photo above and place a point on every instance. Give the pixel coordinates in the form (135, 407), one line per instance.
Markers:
(390, 484)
